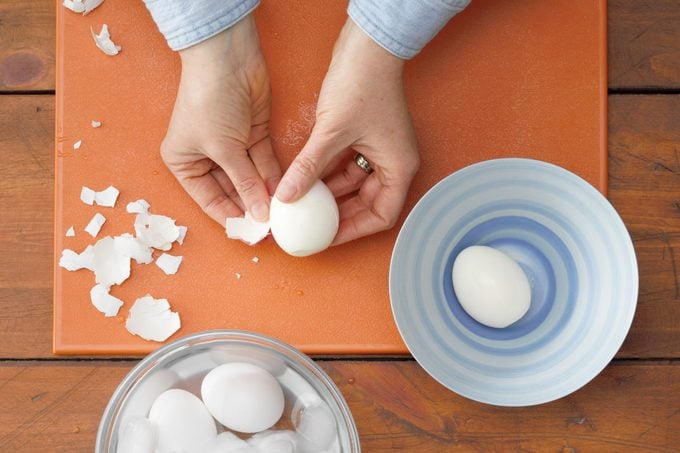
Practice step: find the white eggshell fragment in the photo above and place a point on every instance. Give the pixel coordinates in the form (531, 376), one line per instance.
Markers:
(87, 195)
(130, 246)
(72, 261)
(183, 422)
(138, 207)
(137, 435)
(110, 267)
(157, 231)
(77, 144)
(77, 6)
(107, 197)
(169, 263)
(490, 286)
(152, 319)
(243, 397)
(70, 232)
(308, 225)
(95, 124)
(182, 234)
(103, 41)
(246, 229)
(95, 225)
(105, 302)
(91, 5)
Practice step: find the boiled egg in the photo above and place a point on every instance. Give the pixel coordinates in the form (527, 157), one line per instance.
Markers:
(183, 422)
(490, 286)
(308, 225)
(243, 397)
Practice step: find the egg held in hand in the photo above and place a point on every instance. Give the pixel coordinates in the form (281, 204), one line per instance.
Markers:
(308, 225)
(243, 397)
(490, 286)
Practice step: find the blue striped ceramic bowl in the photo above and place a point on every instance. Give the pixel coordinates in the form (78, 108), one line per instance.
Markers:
(572, 245)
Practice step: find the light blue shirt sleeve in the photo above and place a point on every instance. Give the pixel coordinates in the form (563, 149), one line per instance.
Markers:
(188, 22)
(403, 27)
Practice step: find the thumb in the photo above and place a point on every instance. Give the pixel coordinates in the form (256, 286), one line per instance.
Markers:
(309, 165)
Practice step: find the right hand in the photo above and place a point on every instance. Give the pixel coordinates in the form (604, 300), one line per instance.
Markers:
(218, 144)
(361, 108)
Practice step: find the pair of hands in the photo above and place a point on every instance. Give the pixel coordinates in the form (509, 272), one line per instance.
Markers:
(219, 147)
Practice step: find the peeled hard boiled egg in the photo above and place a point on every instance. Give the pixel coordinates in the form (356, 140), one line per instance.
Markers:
(490, 286)
(308, 225)
(184, 424)
(243, 397)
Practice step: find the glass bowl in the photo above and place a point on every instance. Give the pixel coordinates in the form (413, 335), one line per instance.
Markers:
(184, 362)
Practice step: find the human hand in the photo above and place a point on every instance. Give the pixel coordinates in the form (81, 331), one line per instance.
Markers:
(218, 144)
(361, 108)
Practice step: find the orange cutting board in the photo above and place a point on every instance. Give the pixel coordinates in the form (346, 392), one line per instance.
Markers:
(522, 78)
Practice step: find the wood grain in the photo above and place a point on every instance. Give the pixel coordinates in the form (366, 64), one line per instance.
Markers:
(644, 181)
(644, 44)
(644, 187)
(26, 204)
(56, 406)
(27, 32)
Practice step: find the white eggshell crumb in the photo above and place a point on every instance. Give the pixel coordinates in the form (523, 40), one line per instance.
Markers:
(137, 435)
(77, 144)
(243, 397)
(70, 232)
(128, 245)
(184, 424)
(109, 265)
(138, 207)
(157, 231)
(95, 124)
(246, 229)
(273, 441)
(95, 225)
(182, 234)
(237, 275)
(77, 6)
(105, 302)
(255, 259)
(72, 261)
(308, 225)
(87, 195)
(490, 286)
(103, 41)
(152, 319)
(169, 263)
(107, 197)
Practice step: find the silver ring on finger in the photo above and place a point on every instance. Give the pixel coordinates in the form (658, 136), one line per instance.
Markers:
(362, 163)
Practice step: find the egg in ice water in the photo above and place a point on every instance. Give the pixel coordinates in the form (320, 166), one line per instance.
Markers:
(308, 225)
(243, 397)
(490, 286)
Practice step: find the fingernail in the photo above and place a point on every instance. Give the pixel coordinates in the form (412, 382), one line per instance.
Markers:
(285, 191)
(260, 211)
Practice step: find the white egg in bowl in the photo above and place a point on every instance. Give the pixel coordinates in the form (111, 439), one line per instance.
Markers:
(262, 388)
(561, 238)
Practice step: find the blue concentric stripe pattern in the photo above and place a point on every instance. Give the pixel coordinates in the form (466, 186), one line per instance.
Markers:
(578, 257)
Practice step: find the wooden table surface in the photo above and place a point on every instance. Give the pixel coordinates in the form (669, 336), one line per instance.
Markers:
(51, 403)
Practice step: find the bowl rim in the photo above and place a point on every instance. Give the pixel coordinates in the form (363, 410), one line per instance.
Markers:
(148, 363)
